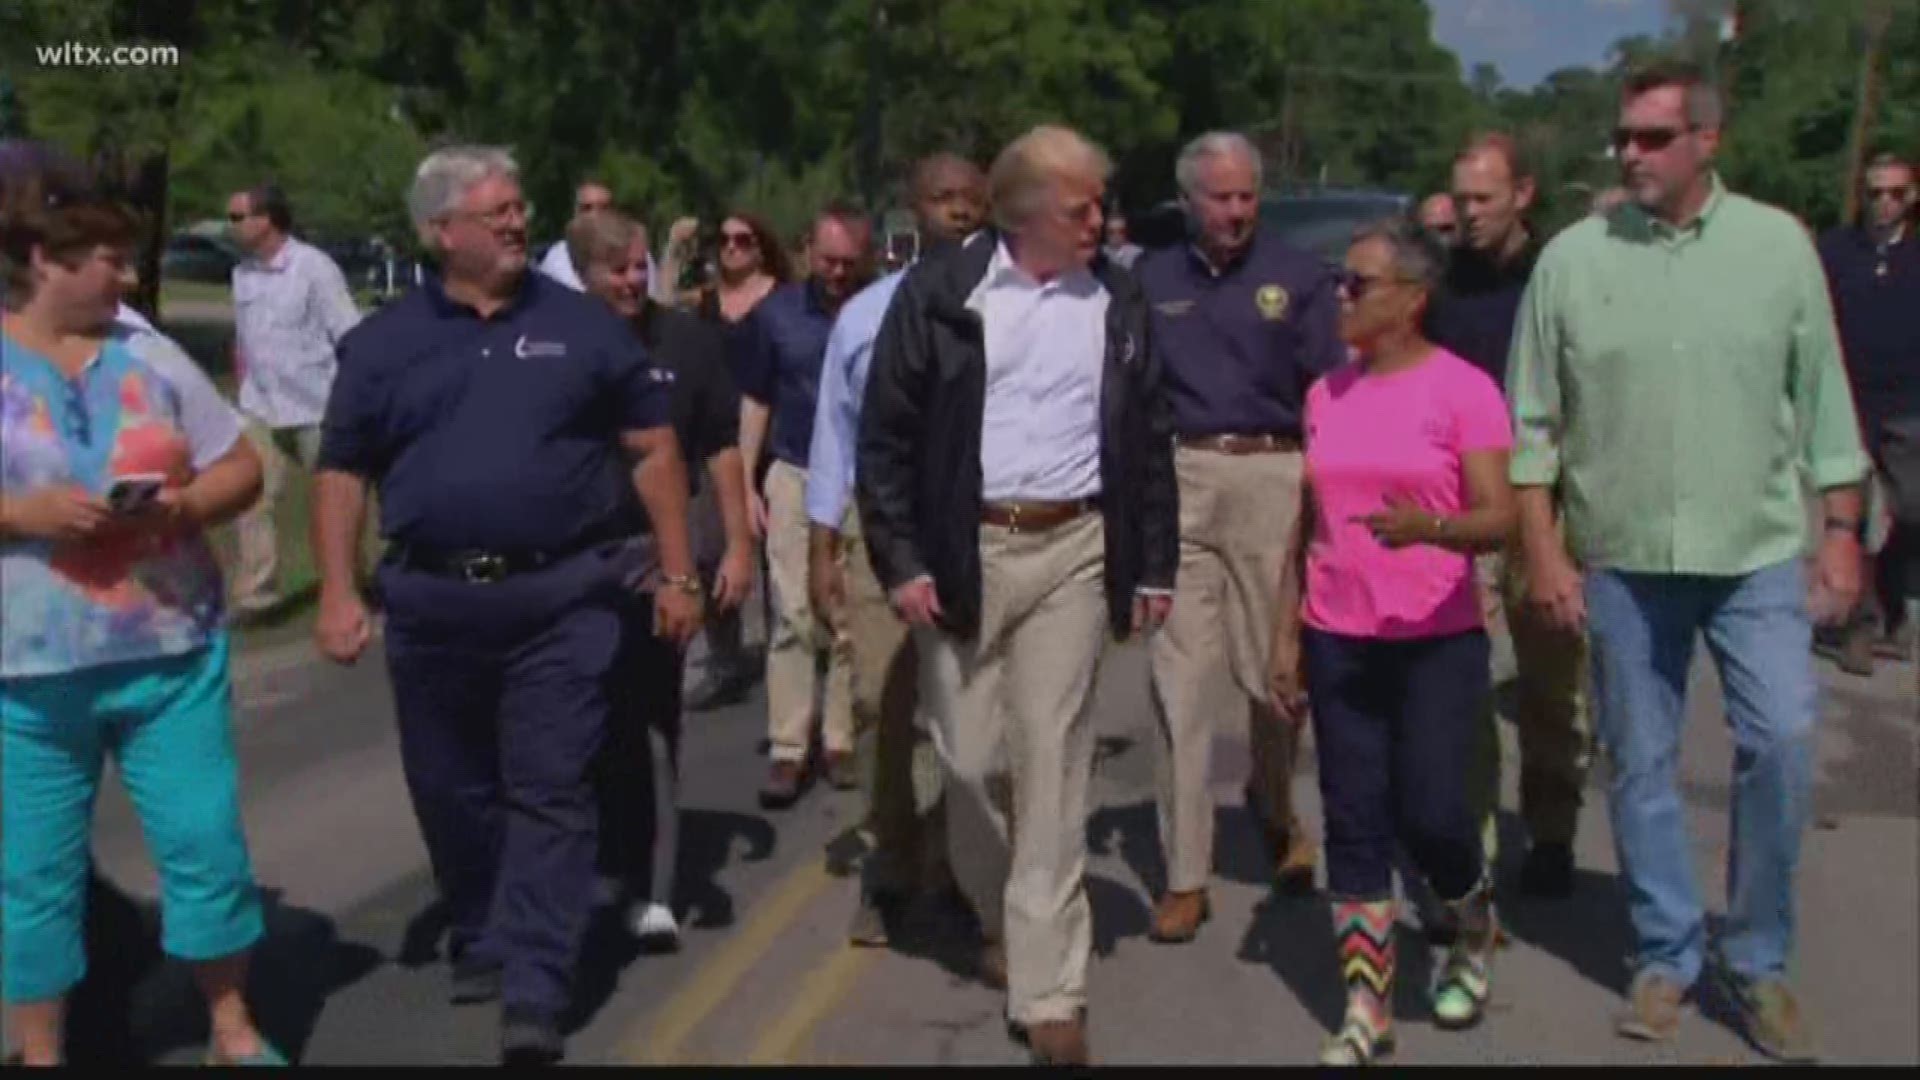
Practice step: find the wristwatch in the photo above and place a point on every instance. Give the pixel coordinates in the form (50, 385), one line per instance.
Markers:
(686, 583)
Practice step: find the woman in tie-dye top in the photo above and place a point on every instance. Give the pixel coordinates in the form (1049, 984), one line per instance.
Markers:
(110, 635)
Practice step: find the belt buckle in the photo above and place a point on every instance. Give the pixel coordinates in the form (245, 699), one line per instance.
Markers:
(483, 569)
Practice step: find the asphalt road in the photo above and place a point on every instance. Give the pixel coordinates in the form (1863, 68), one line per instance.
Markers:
(350, 974)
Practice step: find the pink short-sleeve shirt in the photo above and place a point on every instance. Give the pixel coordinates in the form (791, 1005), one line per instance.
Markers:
(1404, 434)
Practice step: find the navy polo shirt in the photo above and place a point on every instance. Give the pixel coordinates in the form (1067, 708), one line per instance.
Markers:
(1242, 345)
(1473, 313)
(501, 433)
(783, 344)
(1876, 301)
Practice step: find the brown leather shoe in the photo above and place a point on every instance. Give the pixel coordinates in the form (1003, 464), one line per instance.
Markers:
(1178, 915)
(1294, 874)
(1059, 1042)
(842, 772)
(782, 787)
(990, 967)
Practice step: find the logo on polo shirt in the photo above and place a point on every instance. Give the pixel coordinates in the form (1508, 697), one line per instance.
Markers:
(1272, 300)
(530, 350)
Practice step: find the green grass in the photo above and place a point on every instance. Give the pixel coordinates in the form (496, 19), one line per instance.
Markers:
(199, 292)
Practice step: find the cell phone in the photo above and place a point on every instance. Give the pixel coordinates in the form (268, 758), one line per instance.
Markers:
(132, 494)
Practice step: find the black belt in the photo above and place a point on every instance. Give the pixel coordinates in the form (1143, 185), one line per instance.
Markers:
(482, 567)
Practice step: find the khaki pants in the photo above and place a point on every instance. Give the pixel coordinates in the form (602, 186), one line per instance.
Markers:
(901, 773)
(797, 640)
(1550, 714)
(256, 581)
(1012, 721)
(1235, 514)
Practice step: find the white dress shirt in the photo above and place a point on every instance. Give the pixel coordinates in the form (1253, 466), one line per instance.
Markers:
(289, 313)
(558, 265)
(1046, 358)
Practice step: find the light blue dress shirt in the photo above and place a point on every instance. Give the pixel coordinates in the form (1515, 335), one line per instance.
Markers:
(836, 416)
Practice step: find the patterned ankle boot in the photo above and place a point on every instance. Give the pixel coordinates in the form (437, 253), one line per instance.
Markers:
(1460, 994)
(1364, 929)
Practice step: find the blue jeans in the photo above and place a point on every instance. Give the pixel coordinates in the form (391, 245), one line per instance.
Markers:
(1642, 628)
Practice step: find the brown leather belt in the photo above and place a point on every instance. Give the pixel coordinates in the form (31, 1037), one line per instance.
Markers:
(1241, 444)
(1027, 517)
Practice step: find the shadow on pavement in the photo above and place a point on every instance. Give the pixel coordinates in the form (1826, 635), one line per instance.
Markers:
(1240, 852)
(137, 1005)
(710, 840)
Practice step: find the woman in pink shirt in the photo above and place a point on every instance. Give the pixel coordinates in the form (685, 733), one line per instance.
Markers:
(1406, 478)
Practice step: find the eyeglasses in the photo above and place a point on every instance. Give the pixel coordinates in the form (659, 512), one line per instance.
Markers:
(501, 215)
(237, 218)
(745, 241)
(1646, 140)
(1894, 193)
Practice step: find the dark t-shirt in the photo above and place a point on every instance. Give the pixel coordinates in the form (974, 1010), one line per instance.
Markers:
(705, 404)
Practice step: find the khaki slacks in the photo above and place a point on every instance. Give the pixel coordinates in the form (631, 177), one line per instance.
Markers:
(898, 766)
(256, 576)
(1551, 713)
(1011, 711)
(1236, 512)
(796, 640)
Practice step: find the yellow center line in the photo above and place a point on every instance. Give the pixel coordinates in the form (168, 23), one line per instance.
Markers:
(818, 994)
(661, 1042)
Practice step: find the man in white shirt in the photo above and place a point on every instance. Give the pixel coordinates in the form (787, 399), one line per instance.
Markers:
(592, 196)
(291, 306)
(1017, 498)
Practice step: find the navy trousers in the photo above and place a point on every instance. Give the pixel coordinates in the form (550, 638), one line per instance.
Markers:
(1393, 721)
(503, 696)
(639, 765)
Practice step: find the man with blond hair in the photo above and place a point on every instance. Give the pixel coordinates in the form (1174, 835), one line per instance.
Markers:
(1016, 488)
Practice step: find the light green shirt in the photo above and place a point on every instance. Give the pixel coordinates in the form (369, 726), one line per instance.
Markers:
(1675, 383)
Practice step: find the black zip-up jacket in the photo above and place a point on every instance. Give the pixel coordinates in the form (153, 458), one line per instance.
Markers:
(918, 468)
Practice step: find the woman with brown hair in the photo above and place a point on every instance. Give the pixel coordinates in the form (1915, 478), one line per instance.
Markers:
(751, 264)
(116, 457)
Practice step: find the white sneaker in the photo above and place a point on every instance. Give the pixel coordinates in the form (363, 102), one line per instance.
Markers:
(654, 925)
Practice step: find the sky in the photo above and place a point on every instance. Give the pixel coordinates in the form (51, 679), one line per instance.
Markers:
(1529, 39)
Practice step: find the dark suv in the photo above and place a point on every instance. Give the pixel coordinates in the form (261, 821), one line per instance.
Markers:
(1321, 221)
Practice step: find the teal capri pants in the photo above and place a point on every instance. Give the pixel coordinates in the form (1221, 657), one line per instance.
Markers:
(168, 724)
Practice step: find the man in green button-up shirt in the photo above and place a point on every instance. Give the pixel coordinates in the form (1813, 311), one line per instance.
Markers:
(1675, 375)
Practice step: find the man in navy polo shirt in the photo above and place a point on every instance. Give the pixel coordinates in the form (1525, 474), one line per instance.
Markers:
(1873, 272)
(491, 407)
(786, 340)
(1246, 324)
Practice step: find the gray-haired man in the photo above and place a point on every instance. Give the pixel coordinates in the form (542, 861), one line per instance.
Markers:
(491, 407)
(1245, 324)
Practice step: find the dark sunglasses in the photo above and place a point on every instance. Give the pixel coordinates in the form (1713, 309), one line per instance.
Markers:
(1646, 140)
(1888, 192)
(1356, 285)
(237, 218)
(743, 240)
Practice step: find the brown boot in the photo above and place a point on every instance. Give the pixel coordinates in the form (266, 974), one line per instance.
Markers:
(1178, 915)
(991, 965)
(782, 787)
(1294, 874)
(1059, 1042)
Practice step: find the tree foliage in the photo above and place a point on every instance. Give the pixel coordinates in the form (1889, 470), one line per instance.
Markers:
(779, 104)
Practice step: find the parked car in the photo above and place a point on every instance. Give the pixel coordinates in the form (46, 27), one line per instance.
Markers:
(1321, 221)
(188, 257)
